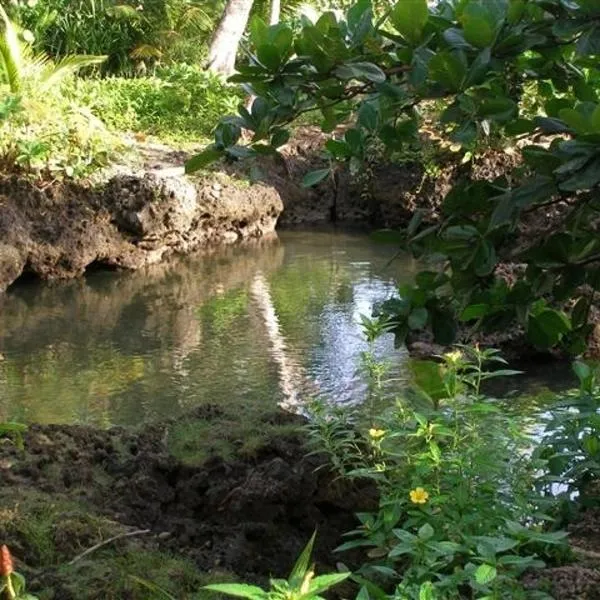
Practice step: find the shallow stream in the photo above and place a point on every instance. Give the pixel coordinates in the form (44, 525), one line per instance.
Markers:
(276, 322)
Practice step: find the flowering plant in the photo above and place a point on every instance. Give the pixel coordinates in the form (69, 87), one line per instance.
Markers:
(12, 584)
(456, 486)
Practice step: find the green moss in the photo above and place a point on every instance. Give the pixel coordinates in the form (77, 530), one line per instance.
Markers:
(132, 573)
(240, 432)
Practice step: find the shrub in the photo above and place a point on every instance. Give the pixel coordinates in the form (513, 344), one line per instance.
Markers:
(458, 514)
(177, 103)
(376, 74)
(39, 129)
(128, 32)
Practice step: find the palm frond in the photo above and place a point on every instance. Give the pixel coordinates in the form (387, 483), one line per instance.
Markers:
(144, 51)
(195, 19)
(68, 66)
(11, 52)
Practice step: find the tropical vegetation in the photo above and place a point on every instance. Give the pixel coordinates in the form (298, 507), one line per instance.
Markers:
(470, 504)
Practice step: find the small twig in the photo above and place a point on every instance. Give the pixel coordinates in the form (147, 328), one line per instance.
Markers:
(108, 541)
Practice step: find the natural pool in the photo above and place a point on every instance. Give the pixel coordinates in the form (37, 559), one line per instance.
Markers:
(271, 323)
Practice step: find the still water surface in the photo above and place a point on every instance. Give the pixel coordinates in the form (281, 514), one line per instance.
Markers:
(275, 323)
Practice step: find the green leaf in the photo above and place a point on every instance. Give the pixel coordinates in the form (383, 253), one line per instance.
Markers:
(280, 137)
(239, 590)
(258, 31)
(360, 70)
(269, 56)
(426, 532)
(448, 69)
(574, 119)
(205, 158)
(427, 377)
(368, 116)
(474, 311)
(301, 567)
(485, 574)
(324, 582)
(409, 18)
(485, 259)
(481, 20)
(546, 328)
(315, 177)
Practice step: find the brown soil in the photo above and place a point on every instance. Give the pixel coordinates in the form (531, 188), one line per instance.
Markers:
(250, 517)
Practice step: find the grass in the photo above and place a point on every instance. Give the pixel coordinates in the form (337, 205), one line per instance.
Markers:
(135, 574)
(178, 104)
(48, 530)
(232, 432)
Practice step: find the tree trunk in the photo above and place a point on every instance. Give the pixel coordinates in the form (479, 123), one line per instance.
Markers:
(224, 45)
(275, 12)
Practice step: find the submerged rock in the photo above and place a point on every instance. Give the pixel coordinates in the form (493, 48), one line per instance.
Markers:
(130, 221)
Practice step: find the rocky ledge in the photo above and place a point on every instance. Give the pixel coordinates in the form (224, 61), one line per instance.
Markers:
(58, 230)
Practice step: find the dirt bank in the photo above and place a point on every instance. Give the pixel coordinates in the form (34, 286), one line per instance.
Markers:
(74, 486)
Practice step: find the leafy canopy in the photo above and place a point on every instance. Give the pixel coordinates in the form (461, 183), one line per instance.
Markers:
(477, 58)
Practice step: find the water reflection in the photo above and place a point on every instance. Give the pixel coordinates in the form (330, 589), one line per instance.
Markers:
(269, 323)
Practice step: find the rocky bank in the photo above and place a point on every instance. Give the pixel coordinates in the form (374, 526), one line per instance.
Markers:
(139, 216)
(58, 230)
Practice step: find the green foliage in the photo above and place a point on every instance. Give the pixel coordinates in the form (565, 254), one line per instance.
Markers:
(458, 513)
(39, 130)
(571, 444)
(130, 33)
(13, 431)
(300, 585)
(178, 103)
(481, 61)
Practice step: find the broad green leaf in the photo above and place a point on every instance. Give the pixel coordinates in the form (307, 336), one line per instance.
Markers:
(203, 159)
(426, 532)
(280, 137)
(239, 590)
(448, 69)
(360, 70)
(315, 177)
(546, 328)
(409, 18)
(368, 116)
(485, 574)
(269, 56)
(485, 258)
(474, 311)
(427, 377)
(575, 120)
(258, 31)
(418, 318)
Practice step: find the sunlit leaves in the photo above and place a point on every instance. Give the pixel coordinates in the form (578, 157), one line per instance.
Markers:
(409, 18)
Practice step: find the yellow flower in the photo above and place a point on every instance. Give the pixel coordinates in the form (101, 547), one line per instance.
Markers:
(419, 496)
(376, 433)
(453, 357)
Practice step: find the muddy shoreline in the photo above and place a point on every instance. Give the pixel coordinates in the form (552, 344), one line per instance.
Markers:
(72, 487)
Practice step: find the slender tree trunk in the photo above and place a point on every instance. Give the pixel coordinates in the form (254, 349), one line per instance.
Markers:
(224, 45)
(275, 12)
